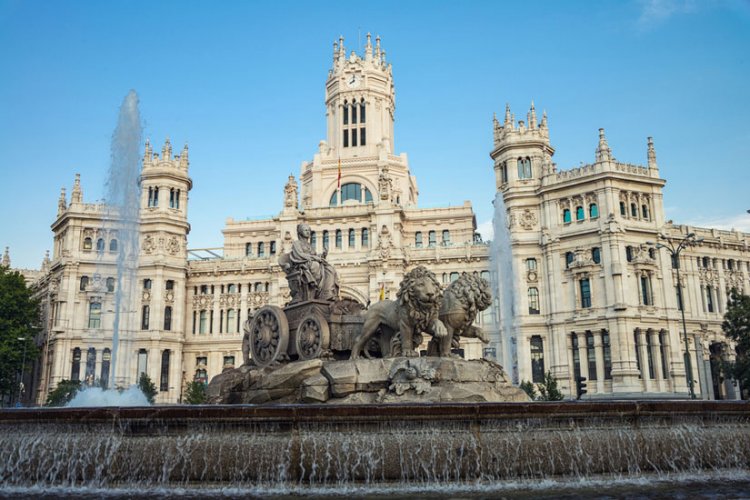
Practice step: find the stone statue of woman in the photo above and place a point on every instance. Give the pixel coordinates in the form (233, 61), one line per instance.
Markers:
(315, 272)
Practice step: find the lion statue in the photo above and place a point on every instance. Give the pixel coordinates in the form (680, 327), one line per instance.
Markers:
(462, 301)
(414, 311)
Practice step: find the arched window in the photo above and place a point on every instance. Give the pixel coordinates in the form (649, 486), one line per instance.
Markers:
(706, 262)
(593, 211)
(201, 376)
(84, 283)
(261, 249)
(629, 253)
(145, 311)
(110, 284)
(106, 359)
(431, 239)
(633, 210)
(142, 363)
(454, 276)
(591, 355)
(608, 356)
(537, 359)
(446, 237)
(533, 300)
(168, 318)
(644, 211)
(652, 253)
(325, 240)
(95, 315)
(579, 213)
(596, 255)
(585, 285)
(646, 298)
(338, 238)
(709, 299)
(231, 288)
(623, 211)
(87, 243)
(362, 115)
(368, 196)
(531, 264)
(164, 379)
(365, 238)
(566, 216)
(75, 369)
(351, 191)
(147, 284)
(346, 112)
(172, 198)
(313, 240)
(418, 239)
(90, 366)
(272, 248)
(100, 245)
(113, 245)
(248, 249)
(352, 238)
(524, 168)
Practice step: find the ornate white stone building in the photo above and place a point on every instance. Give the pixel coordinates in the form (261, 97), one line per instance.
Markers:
(592, 298)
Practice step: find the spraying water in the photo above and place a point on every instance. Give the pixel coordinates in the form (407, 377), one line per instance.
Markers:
(503, 277)
(123, 202)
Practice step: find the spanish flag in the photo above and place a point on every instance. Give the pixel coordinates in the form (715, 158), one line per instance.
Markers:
(339, 180)
(382, 291)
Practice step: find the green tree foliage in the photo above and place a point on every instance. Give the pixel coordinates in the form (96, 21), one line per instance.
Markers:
(195, 393)
(19, 317)
(63, 393)
(529, 388)
(736, 326)
(548, 390)
(147, 387)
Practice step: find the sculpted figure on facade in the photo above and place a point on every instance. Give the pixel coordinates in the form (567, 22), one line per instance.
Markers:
(290, 193)
(384, 184)
(310, 275)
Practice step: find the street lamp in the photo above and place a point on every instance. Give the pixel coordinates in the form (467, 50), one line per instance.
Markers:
(23, 367)
(674, 246)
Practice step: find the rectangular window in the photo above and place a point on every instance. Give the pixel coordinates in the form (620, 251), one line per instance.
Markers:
(576, 355)
(203, 325)
(637, 353)
(531, 264)
(649, 355)
(168, 318)
(352, 238)
(338, 238)
(585, 293)
(354, 137)
(144, 317)
(313, 240)
(432, 238)
(362, 114)
(354, 114)
(709, 299)
(346, 115)
(142, 362)
(607, 356)
(645, 292)
(95, 315)
(663, 350)
(272, 248)
(346, 138)
(537, 359)
(164, 379)
(446, 237)
(228, 361)
(362, 139)
(418, 239)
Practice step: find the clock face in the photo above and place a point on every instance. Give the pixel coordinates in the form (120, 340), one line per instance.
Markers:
(353, 81)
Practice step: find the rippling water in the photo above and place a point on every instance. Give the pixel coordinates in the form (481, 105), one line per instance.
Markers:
(733, 484)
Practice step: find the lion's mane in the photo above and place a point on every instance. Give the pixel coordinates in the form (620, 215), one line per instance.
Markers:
(471, 293)
(420, 315)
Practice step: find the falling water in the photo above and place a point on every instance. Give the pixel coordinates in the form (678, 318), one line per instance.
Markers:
(122, 212)
(503, 278)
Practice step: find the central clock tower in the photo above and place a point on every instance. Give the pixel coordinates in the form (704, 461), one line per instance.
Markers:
(360, 101)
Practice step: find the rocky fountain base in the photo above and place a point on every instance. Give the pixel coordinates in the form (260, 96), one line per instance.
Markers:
(389, 380)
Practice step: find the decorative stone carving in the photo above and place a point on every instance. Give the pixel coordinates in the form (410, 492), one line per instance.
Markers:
(173, 246)
(414, 311)
(385, 183)
(310, 276)
(290, 193)
(384, 243)
(149, 244)
(527, 219)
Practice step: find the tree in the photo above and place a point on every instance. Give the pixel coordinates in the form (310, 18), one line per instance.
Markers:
(195, 393)
(736, 326)
(147, 387)
(63, 393)
(19, 319)
(548, 390)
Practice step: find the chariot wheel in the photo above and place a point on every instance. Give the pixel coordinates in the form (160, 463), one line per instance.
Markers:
(313, 336)
(268, 335)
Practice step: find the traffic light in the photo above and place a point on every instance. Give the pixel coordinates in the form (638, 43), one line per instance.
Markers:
(580, 387)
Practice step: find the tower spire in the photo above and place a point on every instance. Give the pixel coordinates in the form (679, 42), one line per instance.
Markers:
(603, 153)
(76, 196)
(651, 154)
(6, 257)
(532, 116)
(508, 117)
(368, 48)
(62, 203)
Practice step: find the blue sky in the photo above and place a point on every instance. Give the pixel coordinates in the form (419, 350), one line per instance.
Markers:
(242, 83)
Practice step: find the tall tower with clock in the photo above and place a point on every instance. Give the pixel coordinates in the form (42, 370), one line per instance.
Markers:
(358, 151)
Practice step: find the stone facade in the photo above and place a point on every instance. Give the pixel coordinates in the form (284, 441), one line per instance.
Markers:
(361, 202)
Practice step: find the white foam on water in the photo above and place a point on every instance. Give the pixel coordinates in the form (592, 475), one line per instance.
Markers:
(96, 396)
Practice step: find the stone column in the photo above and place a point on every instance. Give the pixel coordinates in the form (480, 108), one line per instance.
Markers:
(668, 377)
(599, 352)
(583, 356)
(656, 356)
(643, 352)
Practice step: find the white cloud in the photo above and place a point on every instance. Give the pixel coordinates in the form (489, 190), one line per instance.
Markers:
(486, 230)
(654, 12)
(739, 222)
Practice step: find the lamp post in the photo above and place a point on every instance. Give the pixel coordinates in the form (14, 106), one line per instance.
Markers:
(674, 246)
(23, 367)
